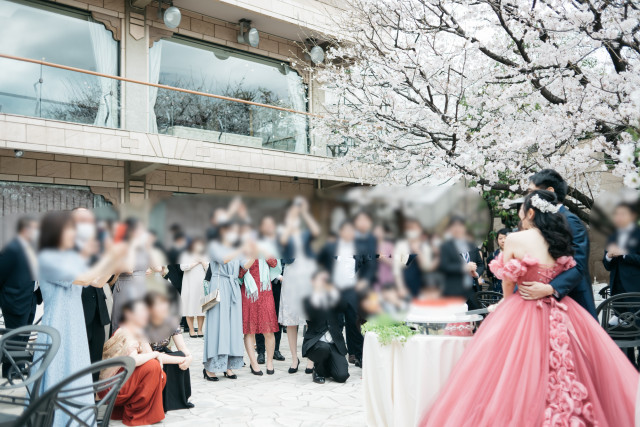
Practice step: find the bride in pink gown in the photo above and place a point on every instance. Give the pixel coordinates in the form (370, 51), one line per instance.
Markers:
(538, 362)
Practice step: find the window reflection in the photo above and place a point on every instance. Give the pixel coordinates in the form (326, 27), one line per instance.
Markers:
(64, 37)
(204, 68)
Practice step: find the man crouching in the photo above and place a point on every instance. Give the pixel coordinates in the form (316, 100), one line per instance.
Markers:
(323, 341)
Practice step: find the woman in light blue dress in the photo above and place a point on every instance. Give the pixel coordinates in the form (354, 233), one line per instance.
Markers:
(223, 337)
(62, 274)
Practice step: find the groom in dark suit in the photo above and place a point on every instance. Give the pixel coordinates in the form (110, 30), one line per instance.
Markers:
(574, 282)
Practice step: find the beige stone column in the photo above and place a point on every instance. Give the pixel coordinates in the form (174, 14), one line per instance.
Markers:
(135, 66)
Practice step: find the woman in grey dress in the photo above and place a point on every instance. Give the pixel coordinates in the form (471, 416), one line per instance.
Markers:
(223, 337)
(60, 268)
(299, 265)
(132, 284)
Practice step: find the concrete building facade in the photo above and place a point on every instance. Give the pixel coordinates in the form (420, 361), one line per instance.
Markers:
(135, 155)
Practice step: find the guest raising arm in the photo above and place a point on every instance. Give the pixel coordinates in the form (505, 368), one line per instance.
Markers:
(223, 346)
(60, 268)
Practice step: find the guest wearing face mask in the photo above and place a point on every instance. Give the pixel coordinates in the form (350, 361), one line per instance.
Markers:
(269, 244)
(61, 272)
(130, 284)
(407, 259)
(223, 337)
(194, 264)
(19, 291)
(94, 300)
(460, 263)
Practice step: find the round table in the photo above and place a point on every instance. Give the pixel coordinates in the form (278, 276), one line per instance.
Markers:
(402, 380)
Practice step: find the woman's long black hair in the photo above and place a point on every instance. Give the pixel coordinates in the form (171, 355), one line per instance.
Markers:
(553, 226)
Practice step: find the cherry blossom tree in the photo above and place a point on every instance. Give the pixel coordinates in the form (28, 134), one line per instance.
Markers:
(487, 90)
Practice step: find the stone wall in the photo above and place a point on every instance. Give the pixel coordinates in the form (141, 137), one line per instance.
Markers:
(107, 177)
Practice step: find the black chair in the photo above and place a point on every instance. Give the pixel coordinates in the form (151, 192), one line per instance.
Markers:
(487, 298)
(605, 292)
(625, 330)
(28, 359)
(63, 398)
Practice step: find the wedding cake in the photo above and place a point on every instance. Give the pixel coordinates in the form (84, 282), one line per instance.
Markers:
(445, 316)
(436, 311)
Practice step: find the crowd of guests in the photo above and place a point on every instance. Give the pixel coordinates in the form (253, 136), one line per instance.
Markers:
(267, 278)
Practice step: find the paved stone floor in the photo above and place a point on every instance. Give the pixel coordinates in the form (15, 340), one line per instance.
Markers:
(281, 399)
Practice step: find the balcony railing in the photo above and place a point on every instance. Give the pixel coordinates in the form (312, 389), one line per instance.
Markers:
(54, 91)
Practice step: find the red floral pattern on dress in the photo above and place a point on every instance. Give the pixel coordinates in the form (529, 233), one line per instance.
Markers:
(567, 397)
(514, 269)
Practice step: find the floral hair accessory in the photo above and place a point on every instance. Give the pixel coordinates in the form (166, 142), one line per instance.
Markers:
(543, 205)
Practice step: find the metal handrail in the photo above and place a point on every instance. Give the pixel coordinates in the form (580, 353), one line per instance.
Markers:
(160, 86)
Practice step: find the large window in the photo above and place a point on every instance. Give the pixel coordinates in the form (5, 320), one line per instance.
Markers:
(211, 69)
(39, 31)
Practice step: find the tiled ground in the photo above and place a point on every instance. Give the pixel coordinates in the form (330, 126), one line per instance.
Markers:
(270, 400)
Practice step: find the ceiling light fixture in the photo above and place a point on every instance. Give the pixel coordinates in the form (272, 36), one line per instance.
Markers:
(247, 34)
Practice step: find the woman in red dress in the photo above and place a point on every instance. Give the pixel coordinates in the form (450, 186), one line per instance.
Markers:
(139, 401)
(258, 308)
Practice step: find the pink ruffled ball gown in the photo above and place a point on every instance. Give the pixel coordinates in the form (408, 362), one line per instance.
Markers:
(538, 363)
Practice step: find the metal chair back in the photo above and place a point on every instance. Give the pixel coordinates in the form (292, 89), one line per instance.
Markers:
(620, 317)
(487, 298)
(29, 350)
(63, 397)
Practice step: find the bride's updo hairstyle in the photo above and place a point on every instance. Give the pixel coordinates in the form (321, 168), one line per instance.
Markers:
(553, 225)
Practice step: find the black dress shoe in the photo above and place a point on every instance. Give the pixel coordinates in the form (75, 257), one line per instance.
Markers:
(352, 359)
(271, 371)
(193, 336)
(294, 370)
(317, 378)
(308, 370)
(255, 372)
(190, 405)
(358, 363)
(278, 356)
(261, 358)
(231, 377)
(207, 377)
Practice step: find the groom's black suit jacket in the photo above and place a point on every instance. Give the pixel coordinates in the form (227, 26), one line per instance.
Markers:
(575, 282)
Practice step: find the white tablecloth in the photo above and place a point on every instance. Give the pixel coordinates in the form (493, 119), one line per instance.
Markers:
(401, 382)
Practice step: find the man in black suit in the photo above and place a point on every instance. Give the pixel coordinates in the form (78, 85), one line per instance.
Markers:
(366, 248)
(178, 245)
(622, 255)
(340, 259)
(19, 292)
(94, 300)
(460, 264)
(574, 282)
(323, 340)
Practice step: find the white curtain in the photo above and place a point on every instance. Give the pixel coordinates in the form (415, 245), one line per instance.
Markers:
(155, 58)
(295, 87)
(105, 52)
